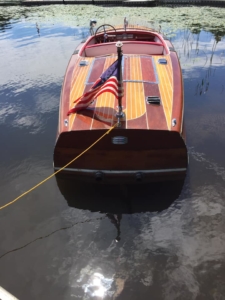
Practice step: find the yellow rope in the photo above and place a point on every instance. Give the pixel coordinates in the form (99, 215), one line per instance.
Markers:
(43, 181)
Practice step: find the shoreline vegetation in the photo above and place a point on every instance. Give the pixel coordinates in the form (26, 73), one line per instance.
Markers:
(190, 17)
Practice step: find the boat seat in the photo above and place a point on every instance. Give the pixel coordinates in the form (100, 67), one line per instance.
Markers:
(129, 47)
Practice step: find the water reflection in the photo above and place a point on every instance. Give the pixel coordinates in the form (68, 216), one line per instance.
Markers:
(116, 200)
(169, 246)
(97, 286)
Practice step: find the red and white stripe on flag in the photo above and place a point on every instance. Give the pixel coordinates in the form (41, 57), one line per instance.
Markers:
(111, 86)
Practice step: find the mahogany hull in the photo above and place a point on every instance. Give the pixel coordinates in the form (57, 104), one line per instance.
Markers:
(147, 155)
(155, 149)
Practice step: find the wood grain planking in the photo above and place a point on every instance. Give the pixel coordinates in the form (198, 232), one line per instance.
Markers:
(77, 71)
(135, 100)
(126, 75)
(104, 103)
(169, 70)
(148, 72)
(79, 84)
(165, 95)
(97, 69)
(178, 102)
(135, 104)
(142, 69)
(83, 120)
(155, 114)
(135, 73)
(65, 93)
(165, 87)
(104, 109)
(79, 121)
(78, 91)
(124, 160)
(137, 123)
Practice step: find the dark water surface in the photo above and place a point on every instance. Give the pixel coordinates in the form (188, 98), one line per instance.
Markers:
(76, 241)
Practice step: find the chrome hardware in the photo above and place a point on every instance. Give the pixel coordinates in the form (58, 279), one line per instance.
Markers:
(84, 63)
(119, 140)
(174, 122)
(66, 122)
(93, 23)
(153, 100)
(98, 176)
(139, 176)
(162, 61)
(120, 115)
(119, 44)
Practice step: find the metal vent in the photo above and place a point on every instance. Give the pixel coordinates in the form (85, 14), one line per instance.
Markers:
(119, 140)
(162, 61)
(153, 100)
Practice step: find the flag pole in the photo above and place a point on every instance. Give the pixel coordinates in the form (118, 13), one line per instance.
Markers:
(120, 113)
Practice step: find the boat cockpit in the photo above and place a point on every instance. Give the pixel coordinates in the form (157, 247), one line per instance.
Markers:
(135, 41)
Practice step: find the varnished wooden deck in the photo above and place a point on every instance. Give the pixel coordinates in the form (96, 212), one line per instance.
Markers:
(142, 76)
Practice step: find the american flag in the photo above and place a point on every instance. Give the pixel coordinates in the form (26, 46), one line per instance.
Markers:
(108, 82)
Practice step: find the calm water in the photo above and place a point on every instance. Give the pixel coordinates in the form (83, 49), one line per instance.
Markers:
(70, 241)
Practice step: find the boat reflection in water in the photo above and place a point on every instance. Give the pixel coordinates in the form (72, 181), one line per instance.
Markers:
(116, 200)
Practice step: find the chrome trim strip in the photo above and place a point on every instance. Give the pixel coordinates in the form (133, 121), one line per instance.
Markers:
(155, 71)
(89, 72)
(129, 80)
(143, 81)
(124, 172)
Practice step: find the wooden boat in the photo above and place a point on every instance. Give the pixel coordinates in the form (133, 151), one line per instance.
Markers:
(148, 144)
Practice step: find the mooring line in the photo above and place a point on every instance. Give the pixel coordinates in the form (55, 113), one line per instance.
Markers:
(49, 177)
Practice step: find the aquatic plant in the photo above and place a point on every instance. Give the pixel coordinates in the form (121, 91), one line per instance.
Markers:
(170, 18)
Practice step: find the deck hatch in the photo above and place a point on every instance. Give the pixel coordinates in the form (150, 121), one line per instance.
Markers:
(119, 140)
(153, 100)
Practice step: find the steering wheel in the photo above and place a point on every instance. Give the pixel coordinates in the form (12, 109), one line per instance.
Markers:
(105, 28)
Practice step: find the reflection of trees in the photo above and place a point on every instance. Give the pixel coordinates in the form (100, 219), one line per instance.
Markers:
(203, 86)
(16, 14)
(5, 23)
(218, 33)
(191, 50)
